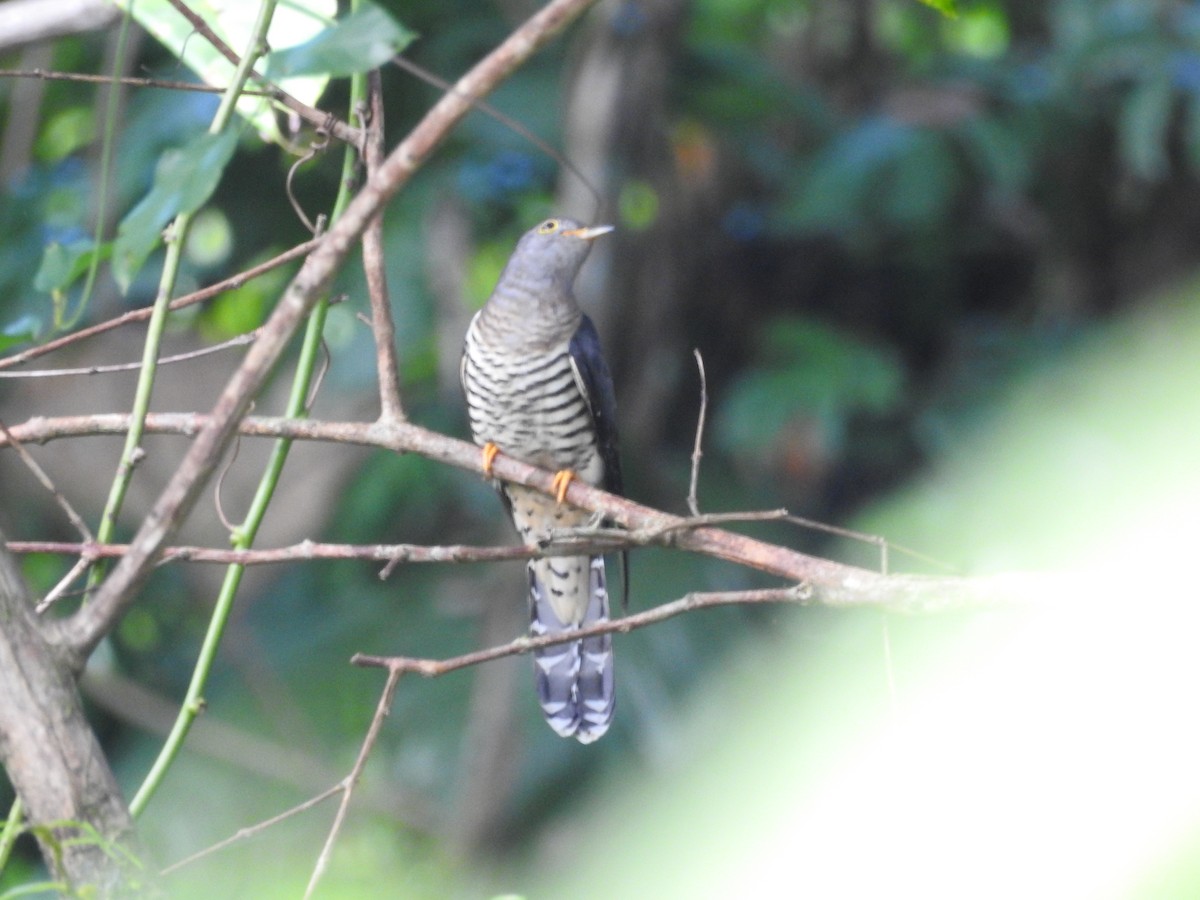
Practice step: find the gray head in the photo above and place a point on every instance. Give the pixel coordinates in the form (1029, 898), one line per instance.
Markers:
(550, 255)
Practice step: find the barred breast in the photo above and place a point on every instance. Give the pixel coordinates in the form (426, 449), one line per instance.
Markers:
(530, 405)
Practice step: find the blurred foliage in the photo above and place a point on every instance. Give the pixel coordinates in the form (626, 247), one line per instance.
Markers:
(807, 371)
(903, 214)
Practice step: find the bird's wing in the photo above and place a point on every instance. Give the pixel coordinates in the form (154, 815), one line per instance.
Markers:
(595, 383)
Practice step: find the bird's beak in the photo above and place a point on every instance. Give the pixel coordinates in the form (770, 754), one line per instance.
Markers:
(588, 234)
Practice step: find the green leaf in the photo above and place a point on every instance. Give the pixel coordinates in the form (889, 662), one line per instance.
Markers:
(20, 331)
(62, 264)
(292, 22)
(365, 39)
(183, 182)
(948, 8)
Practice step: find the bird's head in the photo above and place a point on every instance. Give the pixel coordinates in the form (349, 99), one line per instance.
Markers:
(555, 249)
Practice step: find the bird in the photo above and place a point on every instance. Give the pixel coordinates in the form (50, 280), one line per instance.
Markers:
(538, 388)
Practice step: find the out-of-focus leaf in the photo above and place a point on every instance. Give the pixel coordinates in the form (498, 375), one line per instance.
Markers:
(945, 7)
(808, 370)
(184, 180)
(1142, 127)
(62, 264)
(920, 184)
(366, 38)
(292, 23)
(999, 151)
(20, 331)
(883, 169)
(981, 31)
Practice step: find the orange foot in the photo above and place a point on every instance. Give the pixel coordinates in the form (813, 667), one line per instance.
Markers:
(562, 481)
(489, 456)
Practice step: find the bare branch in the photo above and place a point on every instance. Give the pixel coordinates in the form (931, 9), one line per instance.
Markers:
(44, 480)
(1006, 587)
(251, 830)
(129, 81)
(381, 712)
(237, 341)
(374, 265)
(432, 668)
(51, 755)
(834, 584)
(693, 501)
(309, 550)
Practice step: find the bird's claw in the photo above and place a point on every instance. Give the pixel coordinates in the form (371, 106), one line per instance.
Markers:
(489, 456)
(562, 481)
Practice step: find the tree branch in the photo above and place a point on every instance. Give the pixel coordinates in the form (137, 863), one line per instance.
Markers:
(432, 668)
(374, 264)
(52, 756)
(832, 583)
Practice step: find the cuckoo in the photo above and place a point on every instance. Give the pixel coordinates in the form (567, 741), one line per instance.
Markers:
(538, 389)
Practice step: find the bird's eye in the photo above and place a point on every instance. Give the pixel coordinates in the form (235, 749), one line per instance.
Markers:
(548, 227)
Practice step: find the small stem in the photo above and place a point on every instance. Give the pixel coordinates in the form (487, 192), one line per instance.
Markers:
(178, 230)
(693, 501)
(104, 176)
(374, 266)
(193, 700)
(11, 831)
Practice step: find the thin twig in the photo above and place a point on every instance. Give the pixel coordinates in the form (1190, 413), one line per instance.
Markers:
(374, 265)
(139, 315)
(381, 712)
(251, 830)
(109, 369)
(40, 474)
(881, 542)
(226, 466)
(432, 668)
(47, 75)
(56, 592)
(507, 121)
(316, 147)
(692, 501)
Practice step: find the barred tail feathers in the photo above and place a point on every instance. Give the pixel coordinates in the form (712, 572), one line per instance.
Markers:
(574, 679)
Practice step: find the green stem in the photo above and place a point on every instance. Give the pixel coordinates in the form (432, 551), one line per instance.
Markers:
(177, 234)
(12, 828)
(105, 175)
(244, 534)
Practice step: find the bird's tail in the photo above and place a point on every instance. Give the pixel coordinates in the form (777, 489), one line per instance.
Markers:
(574, 679)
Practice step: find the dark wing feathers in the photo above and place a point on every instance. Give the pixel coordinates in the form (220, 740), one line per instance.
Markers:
(595, 382)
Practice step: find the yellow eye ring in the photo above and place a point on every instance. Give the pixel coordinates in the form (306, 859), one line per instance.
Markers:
(548, 227)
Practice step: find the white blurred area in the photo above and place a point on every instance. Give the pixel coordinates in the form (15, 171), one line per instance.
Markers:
(1048, 750)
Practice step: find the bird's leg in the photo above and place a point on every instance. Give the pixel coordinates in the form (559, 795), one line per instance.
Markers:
(489, 456)
(562, 481)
